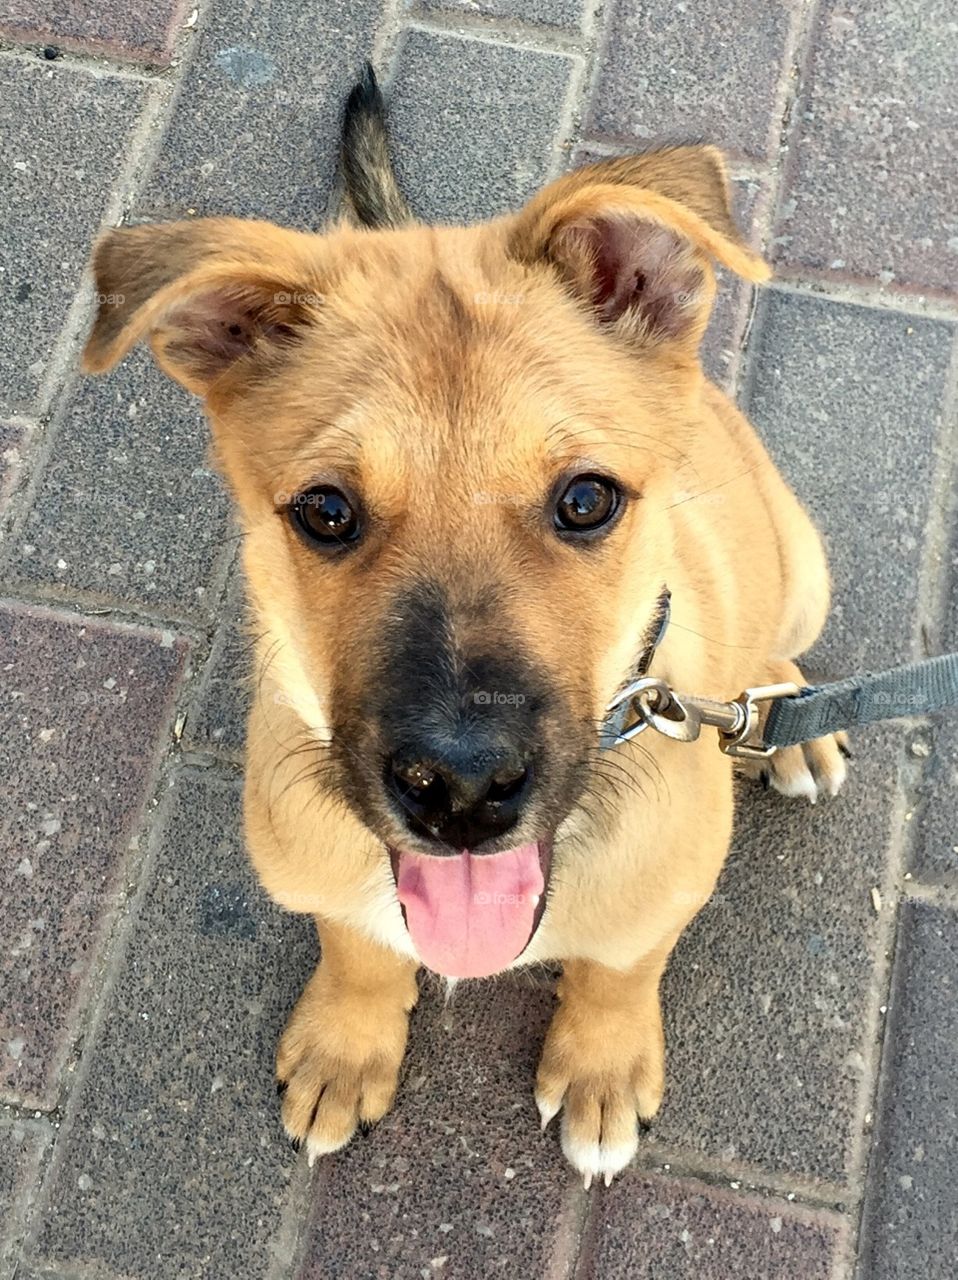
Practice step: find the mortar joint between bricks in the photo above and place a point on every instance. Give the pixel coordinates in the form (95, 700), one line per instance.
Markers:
(495, 31)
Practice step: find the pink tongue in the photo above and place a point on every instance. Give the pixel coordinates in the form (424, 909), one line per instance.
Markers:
(470, 915)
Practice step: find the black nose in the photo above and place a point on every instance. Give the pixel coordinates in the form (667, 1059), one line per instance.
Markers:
(458, 797)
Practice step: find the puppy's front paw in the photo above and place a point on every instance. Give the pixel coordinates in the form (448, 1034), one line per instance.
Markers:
(338, 1062)
(807, 771)
(605, 1080)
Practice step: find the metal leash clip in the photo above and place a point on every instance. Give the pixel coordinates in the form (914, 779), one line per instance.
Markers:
(681, 716)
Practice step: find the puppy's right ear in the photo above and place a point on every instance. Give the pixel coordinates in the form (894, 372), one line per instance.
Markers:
(636, 241)
(204, 294)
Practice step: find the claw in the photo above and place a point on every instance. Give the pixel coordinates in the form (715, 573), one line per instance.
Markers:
(608, 1178)
(846, 751)
(547, 1112)
(587, 1180)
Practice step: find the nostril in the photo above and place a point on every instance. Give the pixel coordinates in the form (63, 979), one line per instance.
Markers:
(506, 785)
(416, 775)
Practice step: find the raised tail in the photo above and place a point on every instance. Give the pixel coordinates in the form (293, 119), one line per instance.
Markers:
(371, 187)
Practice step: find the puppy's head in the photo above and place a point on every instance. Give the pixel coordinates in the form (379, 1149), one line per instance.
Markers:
(452, 451)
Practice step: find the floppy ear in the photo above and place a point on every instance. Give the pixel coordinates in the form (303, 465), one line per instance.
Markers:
(204, 294)
(636, 239)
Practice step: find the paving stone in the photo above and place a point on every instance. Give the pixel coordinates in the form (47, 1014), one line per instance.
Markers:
(14, 437)
(849, 401)
(152, 529)
(178, 1110)
(685, 1230)
(20, 1151)
(870, 188)
(449, 101)
(935, 854)
(62, 137)
(765, 996)
(256, 129)
(142, 31)
(218, 717)
(722, 342)
(548, 13)
(459, 1170)
(935, 849)
(910, 1227)
(85, 711)
(717, 77)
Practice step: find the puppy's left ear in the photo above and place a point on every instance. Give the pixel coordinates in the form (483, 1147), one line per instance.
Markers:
(636, 240)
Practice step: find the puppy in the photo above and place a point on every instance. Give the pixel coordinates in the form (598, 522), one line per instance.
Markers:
(471, 465)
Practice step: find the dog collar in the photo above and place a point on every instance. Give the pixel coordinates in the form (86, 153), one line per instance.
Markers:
(614, 724)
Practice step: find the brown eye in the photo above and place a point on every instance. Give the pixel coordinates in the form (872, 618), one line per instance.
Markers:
(326, 516)
(587, 503)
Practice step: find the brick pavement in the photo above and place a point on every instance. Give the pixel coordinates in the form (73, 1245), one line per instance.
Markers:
(811, 1125)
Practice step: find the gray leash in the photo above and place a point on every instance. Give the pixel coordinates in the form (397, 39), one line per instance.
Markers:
(796, 714)
(913, 690)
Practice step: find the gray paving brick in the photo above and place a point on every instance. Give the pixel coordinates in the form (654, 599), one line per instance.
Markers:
(870, 192)
(765, 996)
(451, 97)
(217, 719)
(685, 1230)
(62, 137)
(459, 1170)
(550, 13)
(256, 130)
(85, 710)
(722, 342)
(935, 848)
(178, 1111)
(13, 443)
(911, 1216)
(850, 400)
(139, 32)
(20, 1153)
(935, 853)
(715, 76)
(127, 508)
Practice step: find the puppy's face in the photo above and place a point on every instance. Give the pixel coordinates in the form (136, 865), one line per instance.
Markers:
(452, 451)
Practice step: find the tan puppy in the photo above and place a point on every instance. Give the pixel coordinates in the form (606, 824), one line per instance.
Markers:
(468, 462)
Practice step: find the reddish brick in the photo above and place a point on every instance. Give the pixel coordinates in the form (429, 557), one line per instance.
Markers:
(870, 188)
(459, 1171)
(136, 31)
(714, 74)
(84, 708)
(685, 1230)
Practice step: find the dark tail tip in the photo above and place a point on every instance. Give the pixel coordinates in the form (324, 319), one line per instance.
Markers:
(364, 98)
(371, 184)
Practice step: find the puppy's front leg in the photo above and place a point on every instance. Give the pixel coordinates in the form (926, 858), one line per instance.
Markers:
(339, 1057)
(603, 1063)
